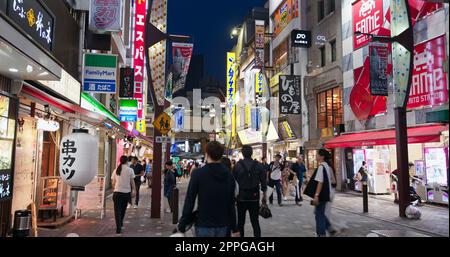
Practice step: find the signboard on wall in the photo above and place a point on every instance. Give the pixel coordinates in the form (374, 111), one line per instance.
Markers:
(105, 15)
(301, 38)
(368, 17)
(379, 60)
(429, 79)
(126, 87)
(259, 44)
(138, 54)
(34, 18)
(99, 73)
(128, 110)
(290, 94)
(285, 13)
(231, 89)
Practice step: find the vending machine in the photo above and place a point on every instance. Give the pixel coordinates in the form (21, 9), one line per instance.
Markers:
(436, 169)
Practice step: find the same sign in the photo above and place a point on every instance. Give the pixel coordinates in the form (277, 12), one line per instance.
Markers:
(290, 94)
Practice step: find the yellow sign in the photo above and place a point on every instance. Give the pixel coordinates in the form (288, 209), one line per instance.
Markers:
(327, 132)
(259, 81)
(231, 89)
(163, 123)
(140, 126)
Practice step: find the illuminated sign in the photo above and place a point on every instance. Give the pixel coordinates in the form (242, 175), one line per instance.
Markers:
(138, 54)
(231, 87)
(128, 110)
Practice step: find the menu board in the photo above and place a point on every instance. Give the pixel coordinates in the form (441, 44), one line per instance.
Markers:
(436, 165)
(49, 193)
(93, 197)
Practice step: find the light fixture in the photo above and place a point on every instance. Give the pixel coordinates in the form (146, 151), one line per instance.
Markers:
(43, 74)
(29, 68)
(97, 128)
(13, 70)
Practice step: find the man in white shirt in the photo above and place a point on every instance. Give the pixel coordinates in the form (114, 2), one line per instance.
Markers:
(275, 169)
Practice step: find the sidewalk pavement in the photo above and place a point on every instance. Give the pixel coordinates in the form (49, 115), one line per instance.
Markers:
(289, 220)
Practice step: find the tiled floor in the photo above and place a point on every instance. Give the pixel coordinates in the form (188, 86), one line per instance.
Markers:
(289, 220)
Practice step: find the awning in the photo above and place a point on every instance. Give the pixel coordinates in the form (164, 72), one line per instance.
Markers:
(422, 134)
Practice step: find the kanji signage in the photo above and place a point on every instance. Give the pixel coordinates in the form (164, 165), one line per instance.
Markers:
(138, 54)
(105, 15)
(379, 70)
(78, 156)
(290, 94)
(259, 44)
(34, 18)
(163, 123)
(5, 184)
(100, 73)
(126, 87)
(301, 38)
(140, 126)
(429, 79)
(368, 18)
(181, 53)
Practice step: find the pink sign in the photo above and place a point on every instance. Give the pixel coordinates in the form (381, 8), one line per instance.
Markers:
(138, 54)
(368, 18)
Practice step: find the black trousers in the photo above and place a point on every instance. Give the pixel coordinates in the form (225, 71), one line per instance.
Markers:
(253, 209)
(138, 186)
(120, 206)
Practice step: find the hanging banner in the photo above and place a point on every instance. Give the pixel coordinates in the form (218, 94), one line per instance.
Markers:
(429, 79)
(157, 53)
(138, 54)
(379, 61)
(231, 89)
(259, 44)
(100, 73)
(290, 94)
(182, 54)
(126, 89)
(368, 17)
(105, 15)
(169, 87)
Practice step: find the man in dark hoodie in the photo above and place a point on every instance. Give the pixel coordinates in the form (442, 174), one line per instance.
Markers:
(214, 186)
(250, 174)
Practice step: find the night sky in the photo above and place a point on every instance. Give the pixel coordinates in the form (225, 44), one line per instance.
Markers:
(209, 23)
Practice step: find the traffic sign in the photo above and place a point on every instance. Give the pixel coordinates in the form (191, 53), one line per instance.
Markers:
(163, 123)
(163, 139)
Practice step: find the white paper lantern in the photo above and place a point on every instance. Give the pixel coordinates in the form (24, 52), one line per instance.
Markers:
(78, 158)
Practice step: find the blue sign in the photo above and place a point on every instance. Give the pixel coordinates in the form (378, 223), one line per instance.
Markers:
(99, 74)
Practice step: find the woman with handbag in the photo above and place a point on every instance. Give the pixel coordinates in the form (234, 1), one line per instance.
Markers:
(320, 189)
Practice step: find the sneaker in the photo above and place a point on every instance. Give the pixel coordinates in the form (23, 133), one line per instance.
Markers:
(128, 206)
(168, 210)
(284, 198)
(135, 206)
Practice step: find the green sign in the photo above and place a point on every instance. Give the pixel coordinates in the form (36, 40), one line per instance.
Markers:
(128, 110)
(90, 103)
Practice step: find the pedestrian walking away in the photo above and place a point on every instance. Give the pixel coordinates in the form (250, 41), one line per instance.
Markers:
(251, 178)
(170, 183)
(299, 169)
(138, 172)
(123, 185)
(213, 186)
(274, 183)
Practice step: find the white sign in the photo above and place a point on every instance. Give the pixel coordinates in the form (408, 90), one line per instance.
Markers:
(162, 139)
(68, 86)
(105, 15)
(47, 125)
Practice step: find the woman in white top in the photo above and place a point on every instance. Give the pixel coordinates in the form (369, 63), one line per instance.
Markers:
(123, 185)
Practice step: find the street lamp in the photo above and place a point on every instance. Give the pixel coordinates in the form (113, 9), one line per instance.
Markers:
(235, 32)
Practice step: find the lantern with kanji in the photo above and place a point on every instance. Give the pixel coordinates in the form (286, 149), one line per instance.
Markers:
(78, 159)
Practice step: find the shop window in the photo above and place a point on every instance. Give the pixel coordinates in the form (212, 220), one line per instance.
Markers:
(48, 165)
(312, 160)
(329, 108)
(280, 56)
(322, 56)
(333, 50)
(331, 6)
(320, 10)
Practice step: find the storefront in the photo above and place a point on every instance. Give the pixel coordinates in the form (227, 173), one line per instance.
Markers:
(427, 151)
(254, 139)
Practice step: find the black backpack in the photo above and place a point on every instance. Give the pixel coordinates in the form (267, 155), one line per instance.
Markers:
(248, 182)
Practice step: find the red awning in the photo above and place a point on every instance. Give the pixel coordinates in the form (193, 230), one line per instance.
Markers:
(422, 134)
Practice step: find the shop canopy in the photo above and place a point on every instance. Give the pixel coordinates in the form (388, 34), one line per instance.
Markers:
(422, 134)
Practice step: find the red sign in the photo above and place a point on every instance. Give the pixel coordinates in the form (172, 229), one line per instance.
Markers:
(364, 104)
(429, 81)
(138, 54)
(368, 18)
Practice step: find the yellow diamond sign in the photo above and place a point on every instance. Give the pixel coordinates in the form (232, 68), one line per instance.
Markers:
(163, 123)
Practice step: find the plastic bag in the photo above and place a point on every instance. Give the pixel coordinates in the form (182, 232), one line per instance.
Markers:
(412, 212)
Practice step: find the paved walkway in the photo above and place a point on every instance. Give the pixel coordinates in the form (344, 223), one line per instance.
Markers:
(287, 221)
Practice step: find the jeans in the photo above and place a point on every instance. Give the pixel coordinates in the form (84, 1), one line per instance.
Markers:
(211, 232)
(298, 196)
(277, 185)
(253, 209)
(120, 206)
(322, 222)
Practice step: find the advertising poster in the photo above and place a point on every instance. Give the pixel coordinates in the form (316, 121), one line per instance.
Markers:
(49, 193)
(429, 79)
(436, 165)
(420, 168)
(290, 94)
(287, 11)
(126, 83)
(181, 54)
(105, 15)
(379, 70)
(368, 17)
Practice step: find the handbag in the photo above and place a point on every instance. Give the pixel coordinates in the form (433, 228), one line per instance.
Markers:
(265, 212)
(310, 189)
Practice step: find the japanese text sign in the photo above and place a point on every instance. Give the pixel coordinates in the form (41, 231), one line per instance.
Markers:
(138, 54)
(126, 83)
(368, 18)
(290, 94)
(99, 73)
(105, 15)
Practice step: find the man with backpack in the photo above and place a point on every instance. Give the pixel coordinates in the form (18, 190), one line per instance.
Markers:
(250, 176)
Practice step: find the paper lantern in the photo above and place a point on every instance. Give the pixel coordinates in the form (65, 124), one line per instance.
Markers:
(78, 158)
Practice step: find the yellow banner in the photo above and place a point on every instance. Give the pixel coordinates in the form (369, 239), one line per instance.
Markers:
(140, 126)
(247, 114)
(259, 80)
(231, 89)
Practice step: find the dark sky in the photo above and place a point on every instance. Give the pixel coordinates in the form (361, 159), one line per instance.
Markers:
(209, 23)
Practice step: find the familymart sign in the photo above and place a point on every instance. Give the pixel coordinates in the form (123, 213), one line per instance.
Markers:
(99, 73)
